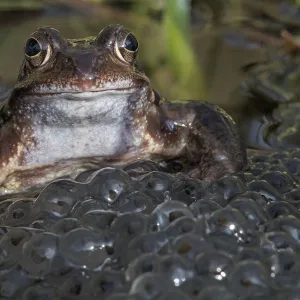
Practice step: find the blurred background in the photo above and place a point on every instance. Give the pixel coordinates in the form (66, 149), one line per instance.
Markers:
(222, 51)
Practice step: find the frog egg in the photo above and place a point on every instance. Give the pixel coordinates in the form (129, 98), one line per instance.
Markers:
(168, 211)
(175, 268)
(250, 210)
(59, 197)
(156, 185)
(86, 249)
(110, 185)
(145, 263)
(229, 221)
(249, 278)
(204, 208)
(156, 242)
(38, 254)
(11, 245)
(63, 226)
(73, 286)
(213, 263)
(189, 246)
(188, 191)
(19, 213)
(98, 219)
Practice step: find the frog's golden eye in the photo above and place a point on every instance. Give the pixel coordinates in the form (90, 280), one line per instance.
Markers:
(37, 53)
(127, 48)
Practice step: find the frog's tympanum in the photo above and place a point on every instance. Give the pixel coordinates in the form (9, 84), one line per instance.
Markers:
(83, 103)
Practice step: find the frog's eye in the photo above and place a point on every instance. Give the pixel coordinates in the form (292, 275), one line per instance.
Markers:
(127, 48)
(36, 52)
(131, 43)
(32, 47)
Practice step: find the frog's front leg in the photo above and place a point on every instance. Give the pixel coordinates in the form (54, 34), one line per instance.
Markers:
(214, 143)
(212, 146)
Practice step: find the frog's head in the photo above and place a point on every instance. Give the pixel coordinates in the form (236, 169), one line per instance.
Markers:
(101, 74)
(54, 65)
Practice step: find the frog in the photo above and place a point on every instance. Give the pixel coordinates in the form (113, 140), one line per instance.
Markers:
(86, 103)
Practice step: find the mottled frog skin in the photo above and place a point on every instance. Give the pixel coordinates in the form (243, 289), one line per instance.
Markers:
(83, 103)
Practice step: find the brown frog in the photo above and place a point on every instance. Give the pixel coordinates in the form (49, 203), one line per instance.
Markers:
(83, 103)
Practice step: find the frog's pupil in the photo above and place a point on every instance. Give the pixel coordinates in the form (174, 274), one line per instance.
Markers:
(32, 47)
(131, 43)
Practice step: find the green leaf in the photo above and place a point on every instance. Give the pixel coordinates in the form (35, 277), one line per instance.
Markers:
(181, 57)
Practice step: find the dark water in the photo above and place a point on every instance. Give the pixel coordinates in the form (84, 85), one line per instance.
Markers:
(139, 233)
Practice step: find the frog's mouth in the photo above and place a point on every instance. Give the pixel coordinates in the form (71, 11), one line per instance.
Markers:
(129, 94)
(81, 87)
(80, 95)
